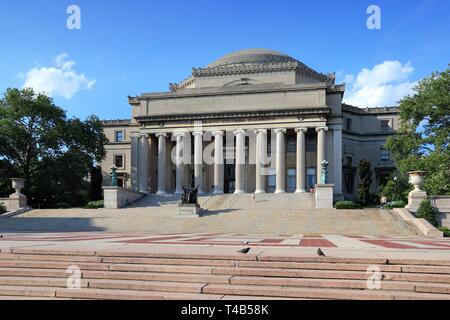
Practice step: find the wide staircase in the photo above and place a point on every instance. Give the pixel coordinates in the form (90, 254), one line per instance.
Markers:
(27, 273)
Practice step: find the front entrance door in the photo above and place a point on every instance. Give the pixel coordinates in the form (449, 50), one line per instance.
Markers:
(229, 178)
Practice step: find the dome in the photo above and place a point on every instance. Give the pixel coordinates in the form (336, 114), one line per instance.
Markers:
(252, 56)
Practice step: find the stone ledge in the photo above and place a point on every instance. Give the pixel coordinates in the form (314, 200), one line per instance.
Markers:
(422, 225)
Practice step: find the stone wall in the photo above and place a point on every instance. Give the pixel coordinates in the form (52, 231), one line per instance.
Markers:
(442, 203)
(116, 197)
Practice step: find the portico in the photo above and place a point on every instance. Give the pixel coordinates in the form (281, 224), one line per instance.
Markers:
(254, 121)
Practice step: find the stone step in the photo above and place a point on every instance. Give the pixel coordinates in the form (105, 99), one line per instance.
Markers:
(315, 266)
(316, 293)
(147, 285)
(108, 294)
(51, 265)
(154, 276)
(37, 282)
(49, 292)
(154, 261)
(37, 257)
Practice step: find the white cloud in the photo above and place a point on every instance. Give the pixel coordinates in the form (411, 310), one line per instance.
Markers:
(383, 85)
(58, 80)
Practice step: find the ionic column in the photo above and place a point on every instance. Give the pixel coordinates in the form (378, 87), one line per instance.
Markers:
(179, 159)
(198, 160)
(321, 149)
(261, 149)
(301, 160)
(218, 161)
(280, 161)
(143, 163)
(162, 163)
(240, 160)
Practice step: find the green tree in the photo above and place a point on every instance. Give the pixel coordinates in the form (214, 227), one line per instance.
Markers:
(422, 141)
(365, 177)
(51, 152)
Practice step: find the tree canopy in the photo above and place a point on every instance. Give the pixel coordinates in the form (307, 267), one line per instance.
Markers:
(53, 153)
(422, 142)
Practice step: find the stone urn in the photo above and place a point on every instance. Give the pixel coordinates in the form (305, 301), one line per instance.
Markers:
(417, 178)
(18, 184)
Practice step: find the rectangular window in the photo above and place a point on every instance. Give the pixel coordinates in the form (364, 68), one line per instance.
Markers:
(348, 124)
(348, 161)
(291, 177)
(120, 182)
(118, 161)
(271, 179)
(310, 177)
(384, 125)
(384, 155)
(120, 136)
(310, 144)
(291, 146)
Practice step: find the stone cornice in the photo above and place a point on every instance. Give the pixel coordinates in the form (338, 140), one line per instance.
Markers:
(323, 112)
(370, 111)
(217, 91)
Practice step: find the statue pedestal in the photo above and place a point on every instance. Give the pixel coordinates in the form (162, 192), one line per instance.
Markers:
(415, 198)
(324, 196)
(17, 201)
(189, 210)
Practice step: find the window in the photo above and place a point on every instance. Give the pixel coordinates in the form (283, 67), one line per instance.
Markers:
(120, 136)
(348, 124)
(291, 145)
(310, 177)
(120, 182)
(271, 179)
(348, 161)
(384, 125)
(310, 144)
(118, 161)
(291, 175)
(384, 155)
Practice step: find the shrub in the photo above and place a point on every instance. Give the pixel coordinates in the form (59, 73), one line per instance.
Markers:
(445, 230)
(62, 205)
(426, 211)
(346, 205)
(365, 177)
(95, 204)
(2, 208)
(395, 204)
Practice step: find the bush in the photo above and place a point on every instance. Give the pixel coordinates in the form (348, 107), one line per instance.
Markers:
(95, 204)
(426, 211)
(62, 205)
(395, 204)
(346, 205)
(2, 208)
(445, 230)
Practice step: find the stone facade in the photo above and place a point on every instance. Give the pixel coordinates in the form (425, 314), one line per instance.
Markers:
(240, 105)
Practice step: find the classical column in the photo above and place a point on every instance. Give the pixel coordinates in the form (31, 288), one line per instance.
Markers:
(135, 162)
(337, 160)
(179, 159)
(321, 149)
(240, 160)
(300, 160)
(218, 161)
(143, 163)
(198, 160)
(280, 161)
(261, 150)
(162, 163)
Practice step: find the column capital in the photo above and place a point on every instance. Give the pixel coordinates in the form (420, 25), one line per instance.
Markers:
(280, 130)
(321, 128)
(239, 131)
(217, 133)
(258, 131)
(301, 129)
(197, 133)
(143, 135)
(161, 134)
(180, 133)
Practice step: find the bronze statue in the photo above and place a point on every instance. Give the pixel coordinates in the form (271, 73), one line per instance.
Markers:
(190, 195)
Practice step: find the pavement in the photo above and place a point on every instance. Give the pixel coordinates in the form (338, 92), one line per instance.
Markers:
(333, 245)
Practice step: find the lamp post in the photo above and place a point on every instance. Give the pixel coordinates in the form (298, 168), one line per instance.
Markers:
(114, 176)
(324, 172)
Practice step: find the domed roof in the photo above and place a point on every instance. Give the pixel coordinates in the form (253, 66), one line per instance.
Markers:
(252, 56)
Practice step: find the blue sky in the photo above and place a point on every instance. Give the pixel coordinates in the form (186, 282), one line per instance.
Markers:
(129, 47)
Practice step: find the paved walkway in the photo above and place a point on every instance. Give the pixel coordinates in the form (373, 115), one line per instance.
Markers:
(141, 241)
